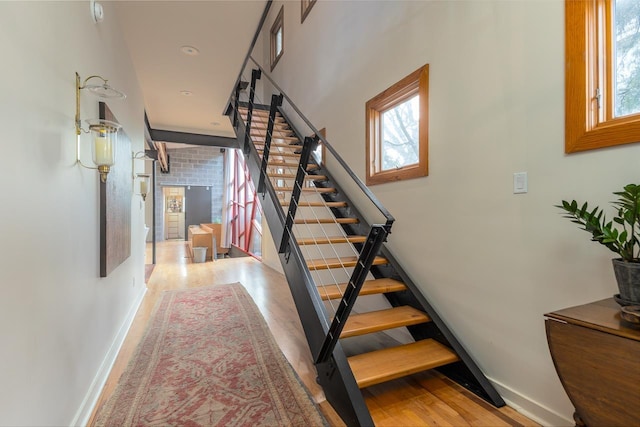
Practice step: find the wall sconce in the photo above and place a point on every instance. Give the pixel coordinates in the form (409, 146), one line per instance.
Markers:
(144, 185)
(104, 133)
(144, 178)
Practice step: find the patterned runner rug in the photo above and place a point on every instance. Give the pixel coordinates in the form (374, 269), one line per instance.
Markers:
(209, 359)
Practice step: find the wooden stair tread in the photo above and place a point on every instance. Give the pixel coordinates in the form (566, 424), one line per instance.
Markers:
(326, 221)
(281, 127)
(317, 204)
(263, 120)
(262, 128)
(396, 362)
(276, 137)
(259, 111)
(260, 146)
(323, 264)
(262, 116)
(308, 177)
(279, 163)
(331, 240)
(308, 189)
(280, 153)
(370, 287)
(380, 320)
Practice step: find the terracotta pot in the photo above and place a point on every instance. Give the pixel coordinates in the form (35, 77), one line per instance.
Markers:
(628, 278)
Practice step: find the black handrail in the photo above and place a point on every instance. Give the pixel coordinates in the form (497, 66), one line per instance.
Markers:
(389, 218)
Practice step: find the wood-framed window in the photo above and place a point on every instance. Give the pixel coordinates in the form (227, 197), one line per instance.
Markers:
(277, 38)
(397, 130)
(602, 73)
(305, 8)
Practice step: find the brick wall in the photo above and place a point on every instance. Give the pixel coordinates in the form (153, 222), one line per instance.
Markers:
(198, 166)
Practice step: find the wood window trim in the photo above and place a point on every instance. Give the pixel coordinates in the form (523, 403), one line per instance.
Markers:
(415, 83)
(278, 24)
(305, 8)
(586, 126)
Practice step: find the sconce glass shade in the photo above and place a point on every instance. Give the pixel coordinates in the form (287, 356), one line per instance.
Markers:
(104, 135)
(144, 185)
(105, 91)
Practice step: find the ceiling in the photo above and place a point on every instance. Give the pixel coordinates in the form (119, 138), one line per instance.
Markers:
(155, 32)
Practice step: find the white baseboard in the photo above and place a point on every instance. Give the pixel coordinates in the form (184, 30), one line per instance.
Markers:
(529, 408)
(91, 398)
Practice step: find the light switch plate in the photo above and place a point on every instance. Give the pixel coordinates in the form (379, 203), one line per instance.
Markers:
(520, 183)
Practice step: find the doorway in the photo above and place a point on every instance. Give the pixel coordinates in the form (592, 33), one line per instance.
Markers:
(173, 213)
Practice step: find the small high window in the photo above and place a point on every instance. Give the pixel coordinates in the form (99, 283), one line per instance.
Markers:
(277, 38)
(602, 90)
(305, 8)
(397, 130)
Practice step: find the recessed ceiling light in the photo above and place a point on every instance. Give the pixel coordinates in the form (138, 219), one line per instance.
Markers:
(190, 50)
(186, 93)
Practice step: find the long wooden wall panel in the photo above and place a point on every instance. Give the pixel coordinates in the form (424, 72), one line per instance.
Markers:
(115, 204)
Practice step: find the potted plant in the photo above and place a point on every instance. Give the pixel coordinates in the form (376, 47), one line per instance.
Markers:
(621, 235)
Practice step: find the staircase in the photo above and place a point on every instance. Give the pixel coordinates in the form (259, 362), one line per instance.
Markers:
(334, 260)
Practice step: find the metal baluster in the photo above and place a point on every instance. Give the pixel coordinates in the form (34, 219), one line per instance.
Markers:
(255, 75)
(307, 148)
(276, 101)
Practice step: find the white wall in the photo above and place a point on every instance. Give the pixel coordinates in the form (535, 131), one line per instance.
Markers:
(491, 262)
(60, 323)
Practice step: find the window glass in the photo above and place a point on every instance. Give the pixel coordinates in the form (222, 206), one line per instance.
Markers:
(399, 135)
(279, 41)
(277, 38)
(626, 38)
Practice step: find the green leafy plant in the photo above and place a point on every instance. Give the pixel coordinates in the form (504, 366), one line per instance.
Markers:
(622, 234)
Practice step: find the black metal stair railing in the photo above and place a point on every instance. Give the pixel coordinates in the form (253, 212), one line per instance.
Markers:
(334, 374)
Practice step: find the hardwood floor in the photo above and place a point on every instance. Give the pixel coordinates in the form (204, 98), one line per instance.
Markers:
(423, 399)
